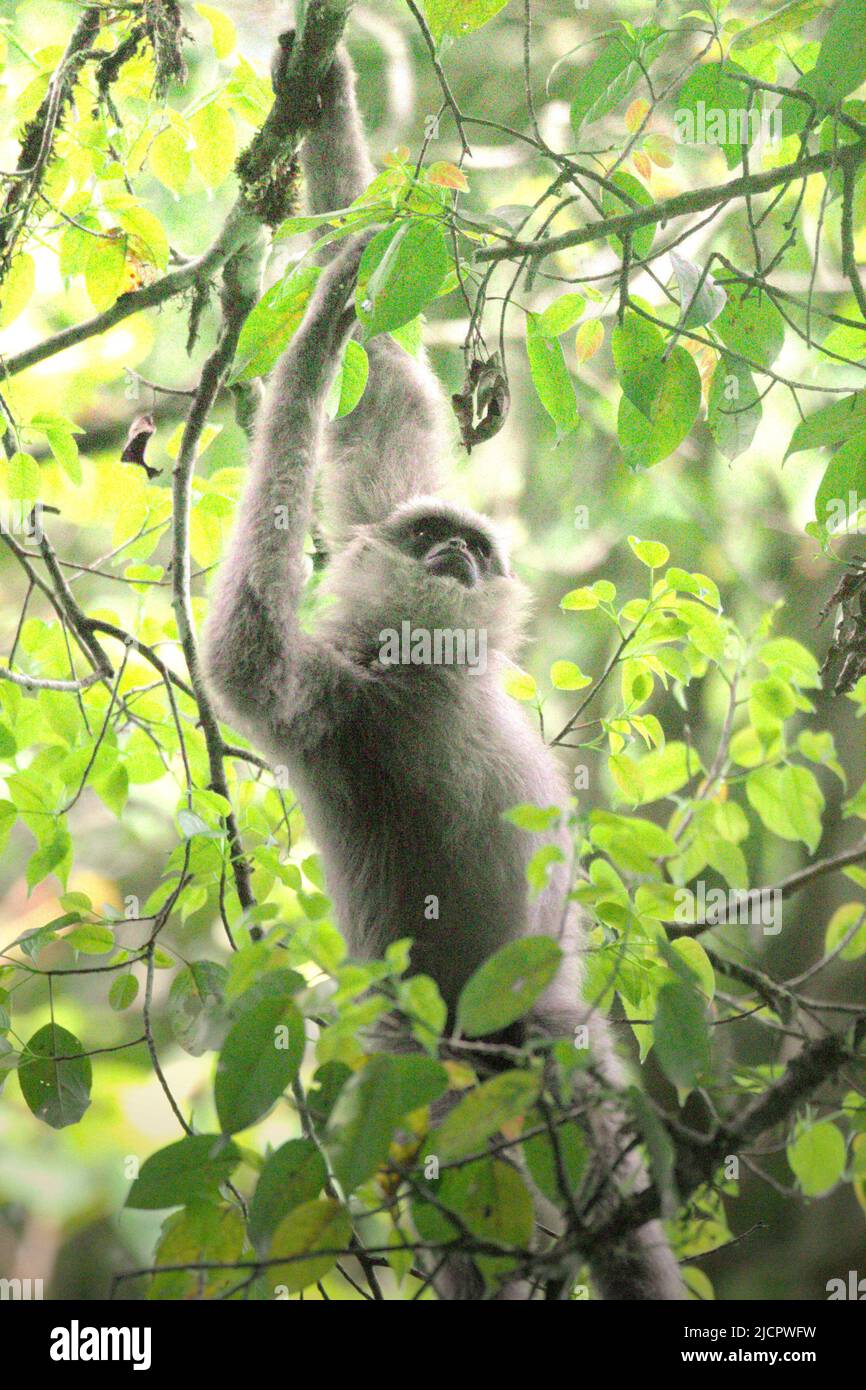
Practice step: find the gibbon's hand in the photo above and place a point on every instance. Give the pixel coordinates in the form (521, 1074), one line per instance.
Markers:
(335, 81)
(280, 60)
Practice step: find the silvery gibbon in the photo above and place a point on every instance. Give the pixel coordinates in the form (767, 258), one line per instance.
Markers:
(403, 769)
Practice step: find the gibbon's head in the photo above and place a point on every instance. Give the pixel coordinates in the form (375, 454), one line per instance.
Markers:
(434, 565)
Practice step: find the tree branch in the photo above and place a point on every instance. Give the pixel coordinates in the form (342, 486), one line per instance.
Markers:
(697, 1159)
(267, 174)
(37, 146)
(240, 292)
(681, 205)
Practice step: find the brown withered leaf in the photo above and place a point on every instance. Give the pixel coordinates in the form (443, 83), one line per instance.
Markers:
(137, 440)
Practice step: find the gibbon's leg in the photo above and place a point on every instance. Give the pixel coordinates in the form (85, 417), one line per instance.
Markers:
(271, 678)
(641, 1265)
(389, 448)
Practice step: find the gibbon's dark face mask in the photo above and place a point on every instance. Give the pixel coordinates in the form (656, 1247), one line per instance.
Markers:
(449, 547)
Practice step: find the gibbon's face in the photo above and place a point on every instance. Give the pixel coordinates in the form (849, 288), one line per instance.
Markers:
(433, 564)
(447, 544)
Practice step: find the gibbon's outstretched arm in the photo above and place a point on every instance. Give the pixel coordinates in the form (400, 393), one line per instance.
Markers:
(390, 447)
(337, 167)
(271, 677)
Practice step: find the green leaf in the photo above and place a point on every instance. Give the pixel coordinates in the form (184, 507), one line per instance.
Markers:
(401, 271)
(613, 206)
(831, 425)
(614, 73)
(350, 381)
(561, 315)
(458, 17)
(257, 1062)
(653, 554)
(771, 702)
(634, 342)
(370, 1107)
(482, 1113)
(790, 659)
(57, 1091)
(550, 376)
(91, 938)
(123, 992)
(292, 1175)
(580, 601)
(423, 1005)
(23, 478)
(649, 839)
(491, 1199)
(819, 747)
(65, 450)
(269, 327)
(733, 410)
(565, 675)
(186, 1171)
(323, 1225)
(215, 149)
(787, 19)
(712, 109)
(842, 490)
(626, 774)
(841, 63)
(680, 1034)
(817, 1158)
(535, 818)
(675, 408)
(506, 986)
(542, 1163)
(697, 962)
(788, 801)
(751, 326)
(196, 1006)
(539, 866)
(53, 856)
(843, 919)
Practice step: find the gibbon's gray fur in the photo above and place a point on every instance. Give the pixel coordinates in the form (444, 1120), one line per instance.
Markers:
(403, 771)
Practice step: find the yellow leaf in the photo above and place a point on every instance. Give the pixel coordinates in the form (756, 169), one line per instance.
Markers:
(105, 269)
(445, 175)
(23, 478)
(17, 288)
(635, 114)
(169, 160)
(205, 537)
(565, 675)
(520, 685)
(588, 339)
(215, 143)
(660, 149)
(222, 30)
